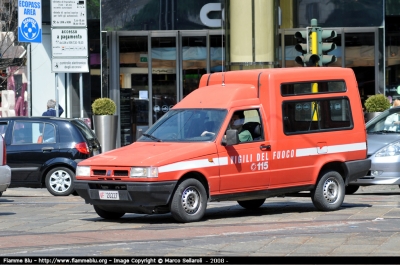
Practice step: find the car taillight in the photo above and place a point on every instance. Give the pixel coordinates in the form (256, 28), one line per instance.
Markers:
(82, 148)
(4, 162)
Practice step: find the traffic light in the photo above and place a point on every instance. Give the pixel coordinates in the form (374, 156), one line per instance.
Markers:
(304, 47)
(324, 46)
(314, 45)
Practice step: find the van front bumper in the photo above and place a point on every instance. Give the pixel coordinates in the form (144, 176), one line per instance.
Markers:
(134, 197)
(356, 169)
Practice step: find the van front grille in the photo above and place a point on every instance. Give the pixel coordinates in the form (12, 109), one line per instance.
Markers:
(110, 173)
(121, 173)
(99, 172)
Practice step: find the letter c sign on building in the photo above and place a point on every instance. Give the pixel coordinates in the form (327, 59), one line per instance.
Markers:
(212, 23)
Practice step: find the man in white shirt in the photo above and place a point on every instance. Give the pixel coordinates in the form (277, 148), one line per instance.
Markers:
(392, 122)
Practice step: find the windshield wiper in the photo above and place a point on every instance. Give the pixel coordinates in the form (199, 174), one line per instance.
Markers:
(383, 131)
(152, 137)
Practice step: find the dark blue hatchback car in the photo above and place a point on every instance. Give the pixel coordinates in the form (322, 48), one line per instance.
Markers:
(44, 151)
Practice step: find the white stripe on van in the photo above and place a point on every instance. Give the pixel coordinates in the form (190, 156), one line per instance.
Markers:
(223, 161)
(331, 149)
(192, 164)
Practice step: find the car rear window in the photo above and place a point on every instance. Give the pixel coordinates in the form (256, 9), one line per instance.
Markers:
(84, 129)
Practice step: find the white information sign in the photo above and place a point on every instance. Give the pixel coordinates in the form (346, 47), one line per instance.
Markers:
(69, 42)
(69, 65)
(68, 13)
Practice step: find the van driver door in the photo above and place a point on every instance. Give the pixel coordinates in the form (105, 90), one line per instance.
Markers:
(248, 161)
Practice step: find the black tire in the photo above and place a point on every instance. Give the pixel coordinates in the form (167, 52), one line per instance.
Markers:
(1, 193)
(189, 201)
(252, 204)
(328, 195)
(351, 189)
(107, 214)
(59, 181)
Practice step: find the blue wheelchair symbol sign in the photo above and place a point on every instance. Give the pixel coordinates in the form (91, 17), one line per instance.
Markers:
(30, 31)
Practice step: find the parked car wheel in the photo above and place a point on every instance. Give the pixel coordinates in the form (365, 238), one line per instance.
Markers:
(1, 194)
(107, 214)
(252, 204)
(351, 189)
(328, 195)
(59, 181)
(189, 202)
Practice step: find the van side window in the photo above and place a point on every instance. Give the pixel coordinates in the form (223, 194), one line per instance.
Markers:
(249, 125)
(316, 115)
(304, 88)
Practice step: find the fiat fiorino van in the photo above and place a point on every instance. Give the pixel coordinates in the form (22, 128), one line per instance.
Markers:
(241, 136)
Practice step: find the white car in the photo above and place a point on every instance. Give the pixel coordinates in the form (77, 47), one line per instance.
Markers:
(5, 171)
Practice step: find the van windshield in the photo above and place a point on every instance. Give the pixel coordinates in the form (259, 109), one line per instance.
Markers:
(186, 125)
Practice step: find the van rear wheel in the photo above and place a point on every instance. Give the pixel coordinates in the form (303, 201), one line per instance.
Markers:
(351, 189)
(189, 201)
(107, 214)
(252, 204)
(328, 195)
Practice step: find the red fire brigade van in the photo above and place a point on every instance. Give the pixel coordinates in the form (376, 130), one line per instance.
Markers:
(241, 136)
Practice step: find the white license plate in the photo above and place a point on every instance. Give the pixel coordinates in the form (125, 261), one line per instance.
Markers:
(108, 195)
(95, 152)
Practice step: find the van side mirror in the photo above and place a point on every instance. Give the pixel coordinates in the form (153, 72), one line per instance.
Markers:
(231, 138)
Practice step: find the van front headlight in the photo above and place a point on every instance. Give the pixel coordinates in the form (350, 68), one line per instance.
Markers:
(144, 172)
(83, 171)
(392, 149)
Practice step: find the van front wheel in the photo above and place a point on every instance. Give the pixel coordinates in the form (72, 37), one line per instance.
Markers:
(328, 195)
(107, 214)
(189, 202)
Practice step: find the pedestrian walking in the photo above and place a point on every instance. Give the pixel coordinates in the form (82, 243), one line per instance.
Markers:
(51, 109)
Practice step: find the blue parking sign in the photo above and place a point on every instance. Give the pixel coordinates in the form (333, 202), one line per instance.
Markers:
(30, 21)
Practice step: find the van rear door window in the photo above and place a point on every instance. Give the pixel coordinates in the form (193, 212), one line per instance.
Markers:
(304, 88)
(316, 115)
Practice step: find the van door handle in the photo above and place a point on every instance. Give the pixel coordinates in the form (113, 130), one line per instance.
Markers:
(265, 147)
(44, 149)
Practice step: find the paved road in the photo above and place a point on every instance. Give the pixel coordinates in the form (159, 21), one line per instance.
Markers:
(35, 223)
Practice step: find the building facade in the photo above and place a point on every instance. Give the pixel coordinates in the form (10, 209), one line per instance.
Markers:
(149, 54)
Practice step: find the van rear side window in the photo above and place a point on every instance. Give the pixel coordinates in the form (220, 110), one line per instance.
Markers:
(304, 88)
(316, 115)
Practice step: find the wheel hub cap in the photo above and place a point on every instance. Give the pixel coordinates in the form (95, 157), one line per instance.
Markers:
(190, 200)
(331, 190)
(60, 181)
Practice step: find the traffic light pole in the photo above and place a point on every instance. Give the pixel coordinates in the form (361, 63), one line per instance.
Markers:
(314, 52)
(314, 37)
(314, 49)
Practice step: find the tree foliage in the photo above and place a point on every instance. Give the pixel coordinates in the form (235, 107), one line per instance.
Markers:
(377, 103)
(12, 52)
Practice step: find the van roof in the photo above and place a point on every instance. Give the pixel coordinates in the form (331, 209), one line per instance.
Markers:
(219, 96)
(235, 88)
(292, 74)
